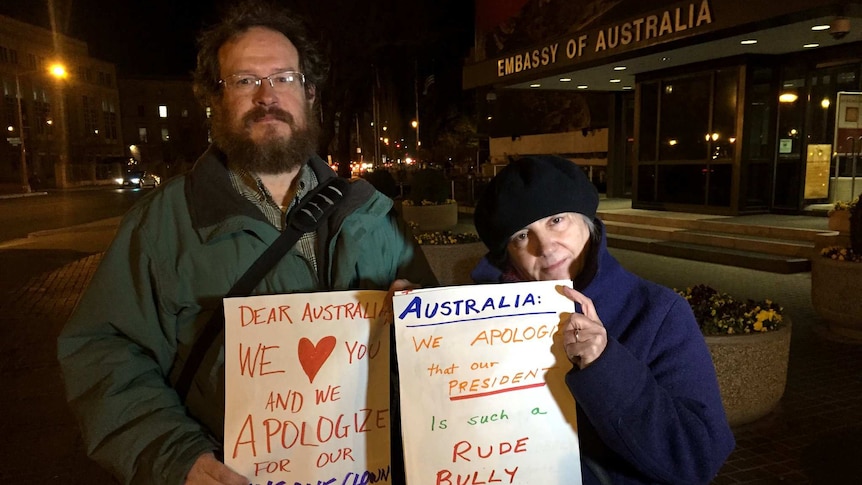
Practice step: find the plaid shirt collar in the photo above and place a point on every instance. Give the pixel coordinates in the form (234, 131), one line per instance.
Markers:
(252, 189)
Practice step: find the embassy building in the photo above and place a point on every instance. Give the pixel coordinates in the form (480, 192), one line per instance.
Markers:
(709, 106)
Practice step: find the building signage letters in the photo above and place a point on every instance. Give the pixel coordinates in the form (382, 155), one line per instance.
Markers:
(629, 33)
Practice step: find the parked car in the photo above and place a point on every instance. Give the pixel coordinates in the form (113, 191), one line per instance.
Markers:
(139, 179)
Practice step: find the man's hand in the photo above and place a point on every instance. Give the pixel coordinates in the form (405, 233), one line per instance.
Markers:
(584, 336)
(209, 471)
(397, 285)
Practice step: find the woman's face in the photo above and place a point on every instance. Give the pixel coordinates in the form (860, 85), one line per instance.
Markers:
(552, 248)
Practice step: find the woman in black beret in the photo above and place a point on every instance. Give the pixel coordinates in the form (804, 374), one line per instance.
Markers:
(648, 404)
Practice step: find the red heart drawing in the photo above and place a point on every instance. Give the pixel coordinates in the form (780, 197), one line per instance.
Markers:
(312, 357)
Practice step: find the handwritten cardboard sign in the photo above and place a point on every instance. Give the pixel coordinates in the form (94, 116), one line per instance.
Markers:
(307, 388)
(483, 395)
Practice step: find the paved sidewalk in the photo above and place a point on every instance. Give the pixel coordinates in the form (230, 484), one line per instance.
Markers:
(814, 437)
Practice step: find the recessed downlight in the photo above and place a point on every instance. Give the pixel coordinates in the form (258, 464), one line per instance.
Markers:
(615, 80)
(535, 85)
(810, 46)
(620, 68)
(818, 28)
(583, 86)
(565, 79)
(748, 42)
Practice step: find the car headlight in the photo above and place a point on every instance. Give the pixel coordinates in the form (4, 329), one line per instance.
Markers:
(119, 181)
(136, 180)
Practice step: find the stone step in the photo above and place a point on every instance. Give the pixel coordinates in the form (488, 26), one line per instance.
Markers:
(712, 254)
(710, 238)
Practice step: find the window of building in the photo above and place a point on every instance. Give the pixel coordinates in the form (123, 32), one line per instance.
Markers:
(165, 135)
(649, 125)
(109, 116)
(688, 138)
(43, 117)
(684, 118)
(91, 117)
(142, 135)
(163, 111)
(10, 113)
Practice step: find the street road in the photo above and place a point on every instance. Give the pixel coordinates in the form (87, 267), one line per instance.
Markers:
(60, 209)
(56, 219)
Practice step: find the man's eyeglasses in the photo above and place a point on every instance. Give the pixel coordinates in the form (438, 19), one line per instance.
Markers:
(281, 82)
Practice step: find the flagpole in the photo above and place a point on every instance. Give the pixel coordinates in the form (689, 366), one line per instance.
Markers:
(416, 95)
(375, 114)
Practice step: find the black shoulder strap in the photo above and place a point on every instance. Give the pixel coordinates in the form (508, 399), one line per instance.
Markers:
(305, 217)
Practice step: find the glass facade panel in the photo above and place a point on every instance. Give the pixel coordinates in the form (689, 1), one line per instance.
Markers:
(684, 119)
(720, 181)
(648, 122)
(646, 183)
(791, 111)
(724, 114)
(758, 115)
(758, 148)
(756, 183)
(682, 184)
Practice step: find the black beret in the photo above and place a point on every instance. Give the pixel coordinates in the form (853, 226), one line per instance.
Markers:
(529, 189)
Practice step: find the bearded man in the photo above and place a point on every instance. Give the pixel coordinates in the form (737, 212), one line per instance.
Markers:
(179, 251)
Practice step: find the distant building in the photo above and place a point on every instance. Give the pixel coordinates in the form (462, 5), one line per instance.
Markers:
(164, 126)
(71, 125)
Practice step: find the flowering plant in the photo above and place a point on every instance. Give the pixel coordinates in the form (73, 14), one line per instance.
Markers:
(843, 205)
(445, 237)
(854, 252)
(718, 313)
(442, 237)
(841, 253)
(424, 202)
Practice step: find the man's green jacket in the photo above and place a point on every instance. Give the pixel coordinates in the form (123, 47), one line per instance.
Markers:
(176, 253)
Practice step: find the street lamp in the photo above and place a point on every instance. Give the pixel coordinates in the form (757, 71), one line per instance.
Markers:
(59, 72)
(415, 124)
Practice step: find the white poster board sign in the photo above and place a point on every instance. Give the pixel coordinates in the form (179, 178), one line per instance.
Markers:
(482, 385)
(307, 388)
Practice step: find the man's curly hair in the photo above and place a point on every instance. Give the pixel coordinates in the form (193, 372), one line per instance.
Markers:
(238, 19)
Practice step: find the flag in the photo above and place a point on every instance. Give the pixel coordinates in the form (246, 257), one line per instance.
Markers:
(428, 82)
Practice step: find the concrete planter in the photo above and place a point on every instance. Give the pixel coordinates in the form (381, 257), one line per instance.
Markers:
(452, 263)
(835, 290)
(839, 220)
(440, 217)
(752, 372)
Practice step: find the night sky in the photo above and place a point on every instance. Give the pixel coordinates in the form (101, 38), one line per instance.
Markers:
(157, 37)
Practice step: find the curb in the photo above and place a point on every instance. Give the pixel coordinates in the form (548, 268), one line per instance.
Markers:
(18, 196)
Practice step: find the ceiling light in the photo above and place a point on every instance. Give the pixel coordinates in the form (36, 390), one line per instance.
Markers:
(810, 46)
(583, 86)
(620, 68)
(665, 58)
(535, 85)
(818, 28)
(565, 79)
(749, 42)
(615, 80)
(627, 87)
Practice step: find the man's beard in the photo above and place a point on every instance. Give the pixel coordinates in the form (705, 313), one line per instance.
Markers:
(276, 154)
